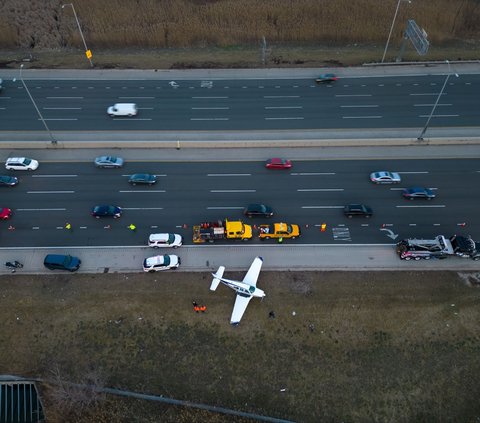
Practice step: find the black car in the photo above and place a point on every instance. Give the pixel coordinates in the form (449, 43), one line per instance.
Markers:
(9, 181)
(142, 178)
(351, 210)
(418, 192)
(258, 210)
(106, 211)
(62, 262)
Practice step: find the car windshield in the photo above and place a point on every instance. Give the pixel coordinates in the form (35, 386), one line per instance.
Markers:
(171, 238)
(166, 260)
(67, 261)
(111, 159)
(27, 162)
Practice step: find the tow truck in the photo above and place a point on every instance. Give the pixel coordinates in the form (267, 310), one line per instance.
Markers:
(439, 247)
(221, 230)
(279, 230)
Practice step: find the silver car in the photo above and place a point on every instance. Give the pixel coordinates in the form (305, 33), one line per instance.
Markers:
(108, 161)
(384, 177)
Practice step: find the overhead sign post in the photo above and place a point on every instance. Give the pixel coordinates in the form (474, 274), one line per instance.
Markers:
(417, 36)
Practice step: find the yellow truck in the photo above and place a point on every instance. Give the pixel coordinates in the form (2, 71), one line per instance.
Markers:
(279, 230)
(221, 230)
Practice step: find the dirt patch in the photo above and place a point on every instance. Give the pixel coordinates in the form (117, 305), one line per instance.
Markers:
(382, 346)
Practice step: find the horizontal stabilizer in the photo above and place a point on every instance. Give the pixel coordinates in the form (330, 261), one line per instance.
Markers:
(216, 278)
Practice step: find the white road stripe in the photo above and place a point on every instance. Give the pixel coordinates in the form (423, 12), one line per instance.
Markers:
(210, 108)
(413, 173)
(142, 208)
(224, 208)
(54, 176)
(435, 206)
(320, 189)
(229, 174)
(281, 96)
(361, 117)
(68, 98)
(312, 173)
(156, 190)
(209, 119)
(61, 119)
(284, 118)
(41, 209)
(323, 207)
(361, 105)
(50, 192)
(133, 98)
(233, 190)
(424, 116)
(61, 108)
(431, 105)
(208, 98)
(283, 107)
(353, 95)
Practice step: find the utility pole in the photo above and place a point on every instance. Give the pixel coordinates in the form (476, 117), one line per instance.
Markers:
(52, 138)
(88, 52)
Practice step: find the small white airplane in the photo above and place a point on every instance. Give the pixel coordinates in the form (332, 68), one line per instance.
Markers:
(245, 289)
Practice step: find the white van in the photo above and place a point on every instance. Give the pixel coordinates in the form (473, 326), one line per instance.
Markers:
(123, 109)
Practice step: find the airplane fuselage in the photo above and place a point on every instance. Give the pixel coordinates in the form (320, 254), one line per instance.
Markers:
(243, 288)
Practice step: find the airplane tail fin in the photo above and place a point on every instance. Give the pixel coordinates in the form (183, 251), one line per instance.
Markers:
(216, 278)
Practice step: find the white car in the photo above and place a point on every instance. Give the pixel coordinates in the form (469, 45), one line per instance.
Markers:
(157, 263)
(21, 163)
(123, 109)
(385, 177)
(165, 240)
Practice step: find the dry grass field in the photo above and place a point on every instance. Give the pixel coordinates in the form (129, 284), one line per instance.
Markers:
(344, 346)
(227, 33)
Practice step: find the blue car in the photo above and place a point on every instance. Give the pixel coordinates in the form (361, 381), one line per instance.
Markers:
(106, 211)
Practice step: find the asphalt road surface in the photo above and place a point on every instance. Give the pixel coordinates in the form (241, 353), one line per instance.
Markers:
(243, 104)
(312, 193)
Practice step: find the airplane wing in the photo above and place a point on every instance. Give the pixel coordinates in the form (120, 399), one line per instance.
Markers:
(252, 274)
(241, 303)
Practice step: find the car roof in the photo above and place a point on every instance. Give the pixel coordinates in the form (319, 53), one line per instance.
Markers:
(159, 237)
(15, 159)
(155, 260)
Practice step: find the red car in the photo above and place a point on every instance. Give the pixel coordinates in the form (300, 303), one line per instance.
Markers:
(277, 163)
(5, 213)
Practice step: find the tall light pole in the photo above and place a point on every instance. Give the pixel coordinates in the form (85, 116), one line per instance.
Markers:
(88, 53)
(52, 138)
(391, 28)
(420, 137)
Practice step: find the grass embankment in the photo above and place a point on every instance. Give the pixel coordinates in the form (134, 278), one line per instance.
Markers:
(385, 346)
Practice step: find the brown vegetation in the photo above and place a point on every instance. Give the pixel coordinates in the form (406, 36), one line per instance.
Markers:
(202, 23)
(344, 346)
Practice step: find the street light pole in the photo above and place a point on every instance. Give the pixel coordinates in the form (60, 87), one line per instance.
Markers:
(391, 29)
(53, 140)
(88, 53)
(420, 137)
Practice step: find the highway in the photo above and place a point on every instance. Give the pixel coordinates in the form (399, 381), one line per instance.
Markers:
(353, 102)
(187, 193)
